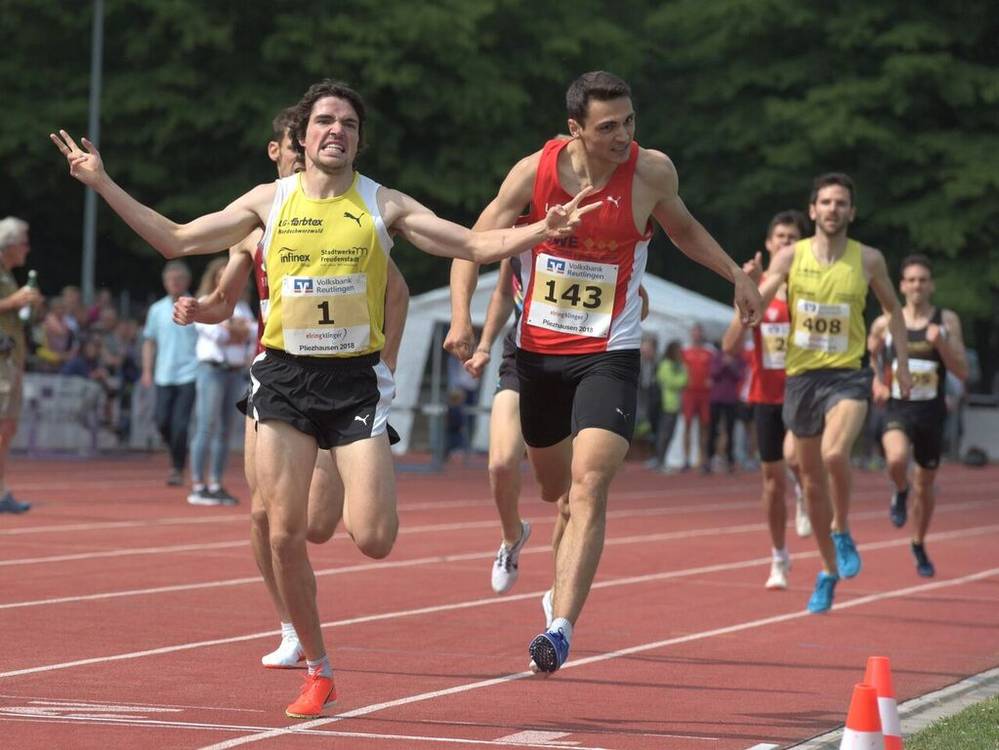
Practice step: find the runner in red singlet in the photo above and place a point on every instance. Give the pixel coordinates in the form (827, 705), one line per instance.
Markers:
(578, 336)
(766, 394)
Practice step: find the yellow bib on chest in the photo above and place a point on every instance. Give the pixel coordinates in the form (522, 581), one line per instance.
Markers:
(327, 263)
(826, 303)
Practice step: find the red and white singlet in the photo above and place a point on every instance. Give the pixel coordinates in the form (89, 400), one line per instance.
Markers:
(581, 292)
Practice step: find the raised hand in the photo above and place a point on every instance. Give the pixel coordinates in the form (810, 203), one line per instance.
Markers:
(86, 166)
(563, 219)
(185, 309)
(754, 268)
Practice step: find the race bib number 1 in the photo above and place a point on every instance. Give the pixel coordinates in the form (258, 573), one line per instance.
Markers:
(573, 296)
(822, 327)
(774, 338)
(323, 315)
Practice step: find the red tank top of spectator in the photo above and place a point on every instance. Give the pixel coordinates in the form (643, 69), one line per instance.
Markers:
(263, 293)
(581, 291)
(770, 341)
(697, 360)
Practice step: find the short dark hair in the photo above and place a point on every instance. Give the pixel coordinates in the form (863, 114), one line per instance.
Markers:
(326, 87)
(831, 178)
(916, 259)
(597, 84)
(789, 217)
(283, 122)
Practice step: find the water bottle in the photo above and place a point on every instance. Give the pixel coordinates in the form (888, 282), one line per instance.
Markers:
(25, 312)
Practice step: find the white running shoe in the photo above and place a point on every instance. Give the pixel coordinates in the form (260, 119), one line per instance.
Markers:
(802, 524)
(505, 565)
(548, 607)
(778, 574)
(286, 656)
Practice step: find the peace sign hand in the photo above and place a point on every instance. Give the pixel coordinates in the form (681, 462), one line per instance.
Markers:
(86, 166)
(563, 219)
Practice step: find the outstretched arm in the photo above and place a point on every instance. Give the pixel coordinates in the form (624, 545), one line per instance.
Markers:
(437, 236)
(693, 239)
(205, 234)
(514, 195)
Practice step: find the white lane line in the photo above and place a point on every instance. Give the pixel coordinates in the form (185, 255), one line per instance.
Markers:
(727, 630)
(862, 495)
(442, 559)
(763, 746)
(125, 552)
(421, 529)
(329, 733)
(490, 601)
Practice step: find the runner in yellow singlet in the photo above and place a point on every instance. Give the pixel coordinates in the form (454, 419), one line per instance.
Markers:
(321, 382)
(826, 396)
(326, 488)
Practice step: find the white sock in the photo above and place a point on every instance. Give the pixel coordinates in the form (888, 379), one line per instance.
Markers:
(560, 623)
(214, 486)
(320, 666)
(197, 487)
(288, 631)
(780, 554)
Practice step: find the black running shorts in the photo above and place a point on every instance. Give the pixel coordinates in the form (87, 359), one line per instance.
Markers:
(770, 431)
(563, 394)
(335, 400)
(508, 380)
(923, 423)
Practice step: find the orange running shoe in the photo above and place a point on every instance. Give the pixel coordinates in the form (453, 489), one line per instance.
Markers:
(317, 693)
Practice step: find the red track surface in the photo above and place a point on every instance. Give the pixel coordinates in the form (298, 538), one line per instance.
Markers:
(134, 620)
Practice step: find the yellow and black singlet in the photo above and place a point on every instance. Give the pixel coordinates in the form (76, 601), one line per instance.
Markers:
(326, 262)
(826, 303)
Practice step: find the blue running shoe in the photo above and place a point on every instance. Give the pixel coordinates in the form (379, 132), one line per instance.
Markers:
(822, 598)
(549, 651)
(847, 557)
(923, 565)
(897, 511)
(9, 505)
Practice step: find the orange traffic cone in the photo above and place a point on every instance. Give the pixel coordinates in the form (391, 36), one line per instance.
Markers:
(878, 674)
(863, 725)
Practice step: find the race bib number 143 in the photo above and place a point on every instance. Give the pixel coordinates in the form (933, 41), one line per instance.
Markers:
(573, 296)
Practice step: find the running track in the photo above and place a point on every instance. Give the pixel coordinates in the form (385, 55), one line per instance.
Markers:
(134, 620)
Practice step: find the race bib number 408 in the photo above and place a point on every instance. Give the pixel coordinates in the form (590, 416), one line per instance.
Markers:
(573, 296)
(323, 315)
(822, 327)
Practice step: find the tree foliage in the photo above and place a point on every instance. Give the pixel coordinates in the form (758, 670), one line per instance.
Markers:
(750, 98)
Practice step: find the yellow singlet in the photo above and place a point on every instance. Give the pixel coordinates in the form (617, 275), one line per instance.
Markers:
(826, 304)
(326, 262)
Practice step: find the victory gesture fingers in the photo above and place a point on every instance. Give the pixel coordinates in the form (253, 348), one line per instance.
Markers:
(563, 219)
(84, 165)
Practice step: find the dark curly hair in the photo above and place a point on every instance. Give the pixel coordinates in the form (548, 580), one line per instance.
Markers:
(303, 110)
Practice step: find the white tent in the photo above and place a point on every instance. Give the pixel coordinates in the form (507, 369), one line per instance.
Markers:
(672, 311)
